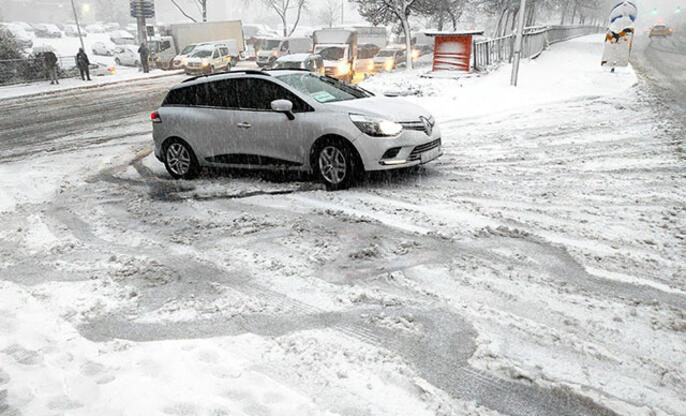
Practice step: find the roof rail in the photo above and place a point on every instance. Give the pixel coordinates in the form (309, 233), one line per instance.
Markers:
(242, 71)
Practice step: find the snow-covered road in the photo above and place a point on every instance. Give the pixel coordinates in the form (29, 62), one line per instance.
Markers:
(537, 268)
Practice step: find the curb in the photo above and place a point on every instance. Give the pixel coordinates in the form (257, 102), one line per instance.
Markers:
(88, 87)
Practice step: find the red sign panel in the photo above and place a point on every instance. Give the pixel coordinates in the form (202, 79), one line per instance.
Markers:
(452, 52)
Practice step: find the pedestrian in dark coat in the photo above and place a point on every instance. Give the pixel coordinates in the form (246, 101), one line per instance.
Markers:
(83, 63)
(50, 62)
(144, 53)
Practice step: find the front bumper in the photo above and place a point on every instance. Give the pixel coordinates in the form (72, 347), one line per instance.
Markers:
(197, 70)
(409, 148)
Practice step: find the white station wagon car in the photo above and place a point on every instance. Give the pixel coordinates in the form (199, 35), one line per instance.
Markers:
(289, 119)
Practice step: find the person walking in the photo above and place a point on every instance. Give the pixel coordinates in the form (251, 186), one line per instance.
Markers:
(50, 63)
(83, 63)
(144, 53)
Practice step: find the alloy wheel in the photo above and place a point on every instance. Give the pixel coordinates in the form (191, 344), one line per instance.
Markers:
(178, 159)
(332, 165)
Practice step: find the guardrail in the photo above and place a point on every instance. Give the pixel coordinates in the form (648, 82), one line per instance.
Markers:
(536, 39)
(16, 71)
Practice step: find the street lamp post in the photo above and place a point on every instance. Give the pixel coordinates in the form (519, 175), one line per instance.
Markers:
(78, 26)
(517, 53)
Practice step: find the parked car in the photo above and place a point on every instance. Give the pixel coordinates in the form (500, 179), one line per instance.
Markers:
(46, 30)
(96, 28)
(388, 59)
(289, 120)
(208, 59)
(23, 39)
(102, 49)
(110, 27)
(27, 27)
(122, 37)
(660, 31)
(72, 31)
(307, 61)
(126, 55)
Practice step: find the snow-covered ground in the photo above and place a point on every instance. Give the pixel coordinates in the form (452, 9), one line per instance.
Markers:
(538, 264)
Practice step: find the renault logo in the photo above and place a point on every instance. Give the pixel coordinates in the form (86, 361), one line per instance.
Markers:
(428, 126)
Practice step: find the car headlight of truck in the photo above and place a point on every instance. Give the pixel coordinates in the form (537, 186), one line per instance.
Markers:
(376, 127)
(343, 68)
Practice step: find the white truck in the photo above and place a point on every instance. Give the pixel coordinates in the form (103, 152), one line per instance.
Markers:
(372, 35)
(338, 48)
(176, 37)
(272, 49)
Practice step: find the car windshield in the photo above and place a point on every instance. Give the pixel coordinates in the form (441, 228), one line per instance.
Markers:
(271, 44)
(323, 89)
(187, 50)
(331, 53)
(387, 52)
(202, 53)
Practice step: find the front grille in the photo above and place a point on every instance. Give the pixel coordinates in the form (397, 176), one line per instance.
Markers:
(417, 151)
(413, 125)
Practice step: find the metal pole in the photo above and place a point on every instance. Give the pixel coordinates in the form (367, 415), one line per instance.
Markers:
(342, 12)
(517, 54)
(78, 27)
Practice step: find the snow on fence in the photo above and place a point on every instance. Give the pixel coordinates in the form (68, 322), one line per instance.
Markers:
(15, 71)
(536, 40)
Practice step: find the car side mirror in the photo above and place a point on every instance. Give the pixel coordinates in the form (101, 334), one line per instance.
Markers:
(283, 106)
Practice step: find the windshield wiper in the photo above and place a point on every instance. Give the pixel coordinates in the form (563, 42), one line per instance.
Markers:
(354, 90)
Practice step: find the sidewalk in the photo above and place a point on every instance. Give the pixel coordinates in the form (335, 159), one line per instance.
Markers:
(566, 71)
(44, 87)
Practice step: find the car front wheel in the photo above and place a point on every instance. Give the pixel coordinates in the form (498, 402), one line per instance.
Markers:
(180, 160)
(336, 165)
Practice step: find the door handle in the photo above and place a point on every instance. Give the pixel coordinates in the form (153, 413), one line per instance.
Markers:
(244, 125)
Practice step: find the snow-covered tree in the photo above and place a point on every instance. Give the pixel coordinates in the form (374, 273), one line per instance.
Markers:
(329, 12)
(283, 8)
(201, 5)
(439, 11)
(391, 11)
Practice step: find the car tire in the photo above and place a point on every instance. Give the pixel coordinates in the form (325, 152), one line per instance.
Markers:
(211, 70)
(117, 61)
(336, 164)
(180, 160)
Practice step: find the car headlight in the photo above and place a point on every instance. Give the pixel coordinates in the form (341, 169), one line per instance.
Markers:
(343, 68)
(376, 127)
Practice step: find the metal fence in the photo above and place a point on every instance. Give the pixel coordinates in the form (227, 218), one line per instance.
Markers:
(16, 71)
(536, 39)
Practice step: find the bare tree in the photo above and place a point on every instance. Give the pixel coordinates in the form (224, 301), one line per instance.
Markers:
(201, 5)
(391, 11)
(330, 12)
(283, 8)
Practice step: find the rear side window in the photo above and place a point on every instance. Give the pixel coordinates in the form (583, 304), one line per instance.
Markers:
(224, 51)
(222, 94)
(258, 94)
(193, 95)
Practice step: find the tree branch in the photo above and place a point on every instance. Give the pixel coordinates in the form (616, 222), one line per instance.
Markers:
(182, 11)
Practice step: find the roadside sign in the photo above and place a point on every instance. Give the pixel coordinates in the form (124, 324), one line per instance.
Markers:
(142, 8)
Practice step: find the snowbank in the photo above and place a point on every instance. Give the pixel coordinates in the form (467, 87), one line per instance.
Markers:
(566, 71)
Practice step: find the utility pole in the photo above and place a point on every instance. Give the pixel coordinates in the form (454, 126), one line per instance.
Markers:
(342, 12)
(517, 54)
(78, 26)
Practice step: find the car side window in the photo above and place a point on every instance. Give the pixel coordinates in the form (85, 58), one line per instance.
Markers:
(185, 96)
(215, 54)
(222, 94)
(224, 51)
(258, 94)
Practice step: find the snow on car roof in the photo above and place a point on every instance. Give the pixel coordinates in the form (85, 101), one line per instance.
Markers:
(296, 57)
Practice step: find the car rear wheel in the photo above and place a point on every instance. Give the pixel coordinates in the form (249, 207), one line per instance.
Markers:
(336, 165)
(180, 160)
